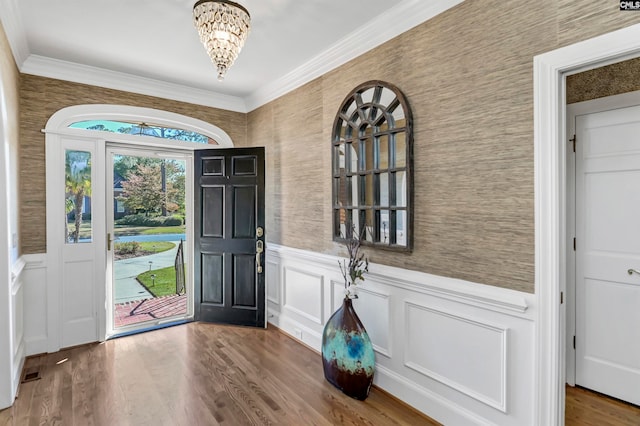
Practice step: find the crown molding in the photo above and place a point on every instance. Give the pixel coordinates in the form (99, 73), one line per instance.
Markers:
(13, 28)
(70, 71)
(398, 20)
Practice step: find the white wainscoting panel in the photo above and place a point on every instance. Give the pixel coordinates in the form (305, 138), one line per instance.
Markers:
(17, 323)
(303, 293)
(373, 309)
(35, 312)
(470, 357)
(461, 352)
(273, 282)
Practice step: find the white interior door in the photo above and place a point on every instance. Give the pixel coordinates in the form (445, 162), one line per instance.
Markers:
(608, 247)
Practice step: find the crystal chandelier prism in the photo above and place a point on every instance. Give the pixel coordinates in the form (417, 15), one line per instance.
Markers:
(223, 27)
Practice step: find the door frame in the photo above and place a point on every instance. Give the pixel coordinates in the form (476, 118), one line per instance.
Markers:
(550, 183)
(187, 156)
(56, 128)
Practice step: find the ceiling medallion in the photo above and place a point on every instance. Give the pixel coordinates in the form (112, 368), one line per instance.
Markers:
(223, 27)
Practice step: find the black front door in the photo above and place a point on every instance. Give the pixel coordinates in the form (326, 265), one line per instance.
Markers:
(229, 236)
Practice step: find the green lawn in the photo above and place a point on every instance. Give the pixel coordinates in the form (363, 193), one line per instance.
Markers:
(164, 230)
(164, 283)
(145, 230)
(156, 246)
(85, 229)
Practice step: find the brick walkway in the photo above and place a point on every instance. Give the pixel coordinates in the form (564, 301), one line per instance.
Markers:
(138, 311)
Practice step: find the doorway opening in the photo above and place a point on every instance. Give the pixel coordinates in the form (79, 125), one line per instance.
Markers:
(80, 294)
(148, 246)
(550, 71)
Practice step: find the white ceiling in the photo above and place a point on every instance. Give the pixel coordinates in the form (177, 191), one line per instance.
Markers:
(152, 47)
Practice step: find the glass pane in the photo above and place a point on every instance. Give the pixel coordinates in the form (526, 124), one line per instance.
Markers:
(383, 152)
(384, 226)
(401, 150)
(144, 129)
(369, 150)
(401, 226)
(350, 108)
(369, 191)
(338, 222)
(384, 189)
(338, 191)
(353, 160)
(78, 197)
(398, 115)
(367, 95)
(353, 218)
(338, 158)
(401, 189)
(341, 130)
(369, 225)
(351, 198)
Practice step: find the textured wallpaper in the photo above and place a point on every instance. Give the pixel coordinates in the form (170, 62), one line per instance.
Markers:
(468, 76)
(614, 79)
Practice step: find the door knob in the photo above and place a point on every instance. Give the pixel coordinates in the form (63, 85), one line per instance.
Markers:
(632, 271)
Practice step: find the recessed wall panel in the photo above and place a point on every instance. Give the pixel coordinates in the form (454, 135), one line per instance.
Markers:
(303, 294)
(466, 355)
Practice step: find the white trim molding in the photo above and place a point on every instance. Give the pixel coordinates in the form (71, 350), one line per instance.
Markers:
(461, 352)
(70, 71)
(14, 29)
(60, 121)
(383, 28)
(550, 70)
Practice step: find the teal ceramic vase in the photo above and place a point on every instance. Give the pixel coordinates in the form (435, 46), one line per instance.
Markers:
(347, 353)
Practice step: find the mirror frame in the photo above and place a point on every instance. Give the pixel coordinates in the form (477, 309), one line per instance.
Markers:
(374, 111)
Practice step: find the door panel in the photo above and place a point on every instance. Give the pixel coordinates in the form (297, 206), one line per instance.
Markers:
(608, 246)
(229, 204)
(77, 245)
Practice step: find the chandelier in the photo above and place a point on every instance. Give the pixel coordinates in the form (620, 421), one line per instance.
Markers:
(223, 27)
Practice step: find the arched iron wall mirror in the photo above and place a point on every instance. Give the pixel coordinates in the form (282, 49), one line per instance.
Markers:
(372, 156)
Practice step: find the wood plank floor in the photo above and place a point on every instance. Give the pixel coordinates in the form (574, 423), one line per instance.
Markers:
(586, 408)
(194, 374)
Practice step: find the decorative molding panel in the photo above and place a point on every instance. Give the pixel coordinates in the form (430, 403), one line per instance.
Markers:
(273, 282)
(444, 346)
(303, 294)
(474, 294)
(425, 400)
(464, 354)
(35, 312)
